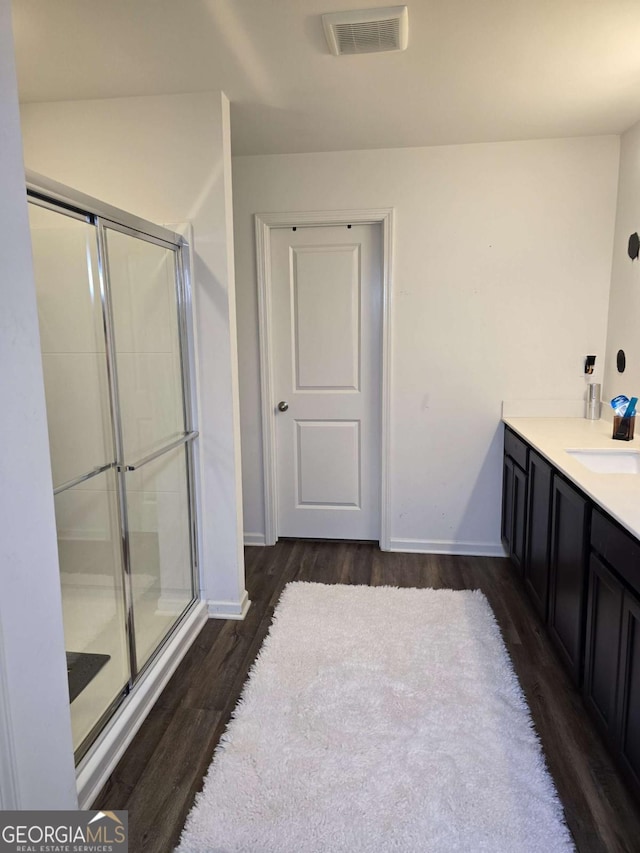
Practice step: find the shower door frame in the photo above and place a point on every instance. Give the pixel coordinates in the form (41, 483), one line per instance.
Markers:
(104, 217)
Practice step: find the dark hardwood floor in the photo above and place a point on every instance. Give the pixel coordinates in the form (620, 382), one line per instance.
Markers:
(162, 770)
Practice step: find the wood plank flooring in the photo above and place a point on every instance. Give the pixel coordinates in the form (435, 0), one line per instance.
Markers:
(162, 770)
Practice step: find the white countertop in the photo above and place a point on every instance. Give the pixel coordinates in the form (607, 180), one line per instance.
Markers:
(617, 494)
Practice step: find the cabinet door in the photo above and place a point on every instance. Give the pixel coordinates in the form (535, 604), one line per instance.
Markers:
(519, 529)
(629, 689)
(507, 503)
(602, 648)
(536, 564)
(514, 511)
(568, 575)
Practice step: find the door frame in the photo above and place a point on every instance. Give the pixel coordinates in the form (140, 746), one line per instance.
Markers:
(264, 223)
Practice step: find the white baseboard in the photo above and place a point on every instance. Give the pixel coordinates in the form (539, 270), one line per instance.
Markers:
(229, 609)
(255, 539)
(95, 768)
(442, 546)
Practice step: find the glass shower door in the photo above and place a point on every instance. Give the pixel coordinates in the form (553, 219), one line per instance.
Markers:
(82, 457)
(113, 307)
(155, 434)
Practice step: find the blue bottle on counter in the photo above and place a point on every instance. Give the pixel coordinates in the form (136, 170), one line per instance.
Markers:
(619, 405)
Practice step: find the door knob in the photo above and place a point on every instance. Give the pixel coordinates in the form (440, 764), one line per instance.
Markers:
(283, 406)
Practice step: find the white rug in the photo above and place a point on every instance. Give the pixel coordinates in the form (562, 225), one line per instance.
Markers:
(379, 719)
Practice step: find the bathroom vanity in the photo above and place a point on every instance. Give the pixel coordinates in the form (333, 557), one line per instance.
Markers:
(571, 526)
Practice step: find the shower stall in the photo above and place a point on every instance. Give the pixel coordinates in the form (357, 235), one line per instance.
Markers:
(114, 312)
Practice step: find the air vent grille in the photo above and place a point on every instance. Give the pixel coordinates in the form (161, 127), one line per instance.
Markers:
(367, 38)
(367, 31)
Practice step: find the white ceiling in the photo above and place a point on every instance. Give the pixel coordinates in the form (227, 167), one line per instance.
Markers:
(475, 70)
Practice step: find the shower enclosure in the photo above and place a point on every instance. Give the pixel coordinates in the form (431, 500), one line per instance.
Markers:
(113, 305)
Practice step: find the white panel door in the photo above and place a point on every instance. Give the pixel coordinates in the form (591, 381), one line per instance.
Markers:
(326, 322)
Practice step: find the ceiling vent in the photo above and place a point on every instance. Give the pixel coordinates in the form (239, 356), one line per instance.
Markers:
(367, 30)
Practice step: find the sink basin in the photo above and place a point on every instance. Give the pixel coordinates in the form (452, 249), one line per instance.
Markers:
(608, 461)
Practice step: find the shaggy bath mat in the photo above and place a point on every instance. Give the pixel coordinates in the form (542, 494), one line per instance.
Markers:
(379, 719)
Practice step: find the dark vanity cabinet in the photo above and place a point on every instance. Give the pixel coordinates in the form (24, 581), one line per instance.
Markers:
(581, 570)
(612, 659)
(545, 530)
(514, 503)
(602, 652)
(629, 690)
(570, 512)
(538, 539)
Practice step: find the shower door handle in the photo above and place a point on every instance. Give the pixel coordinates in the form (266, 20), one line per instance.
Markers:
(188, 436)
(83, 478)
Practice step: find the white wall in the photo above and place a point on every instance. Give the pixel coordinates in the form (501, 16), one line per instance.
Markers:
(501, 281)
(36, 752)
(624, 303)
(167, 158)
